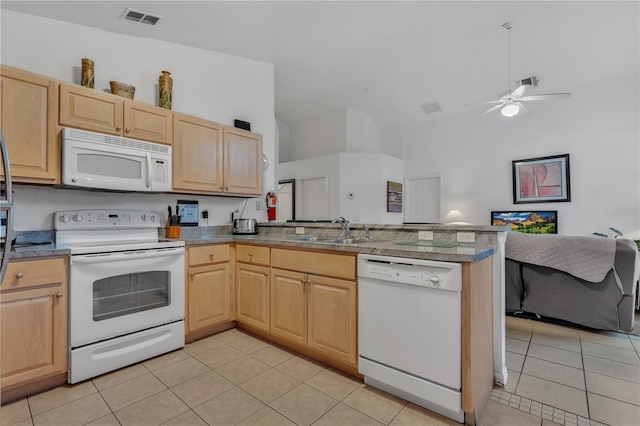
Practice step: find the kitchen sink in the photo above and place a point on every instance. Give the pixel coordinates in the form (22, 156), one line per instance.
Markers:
(345, 240)
(302, 238)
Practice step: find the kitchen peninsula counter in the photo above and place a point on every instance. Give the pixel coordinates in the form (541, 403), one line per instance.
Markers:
(464, 252)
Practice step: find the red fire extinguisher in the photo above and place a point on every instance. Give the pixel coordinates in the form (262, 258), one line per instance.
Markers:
(271, 205)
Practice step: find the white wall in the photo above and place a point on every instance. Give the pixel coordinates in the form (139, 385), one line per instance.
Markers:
(320, 136)
(599, 126)
(363, 134)
(328, 165)
(206, 84)
(284, 148)
(363, 174)
(366, 176)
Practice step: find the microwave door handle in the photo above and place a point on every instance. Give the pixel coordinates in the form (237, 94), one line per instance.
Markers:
(7, 172)
(7, 243)
(148, 182)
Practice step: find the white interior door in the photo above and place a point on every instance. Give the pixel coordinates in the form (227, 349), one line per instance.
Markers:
(422, 202)
(315, 199)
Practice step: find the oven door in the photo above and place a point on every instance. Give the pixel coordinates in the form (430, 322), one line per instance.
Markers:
(113, 294)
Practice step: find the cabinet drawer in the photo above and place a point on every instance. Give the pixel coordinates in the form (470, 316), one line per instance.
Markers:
(34, 273)
(332, 265)
(252, 254)
(208, 254)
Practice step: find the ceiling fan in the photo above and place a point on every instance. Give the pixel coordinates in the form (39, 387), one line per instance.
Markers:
(510, 103)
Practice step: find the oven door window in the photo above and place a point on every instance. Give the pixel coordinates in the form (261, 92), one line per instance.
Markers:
(130, 293)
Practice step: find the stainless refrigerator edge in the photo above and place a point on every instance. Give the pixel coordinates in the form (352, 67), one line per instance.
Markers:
(6, 207)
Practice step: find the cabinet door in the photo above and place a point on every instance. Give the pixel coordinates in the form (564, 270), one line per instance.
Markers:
(289, 305)
(28, 118)
(197, 155)
(90, 109)
(209, 296)
(253, 295)
(332, 318)
(242, 162)
(148, 122)
(34, 332)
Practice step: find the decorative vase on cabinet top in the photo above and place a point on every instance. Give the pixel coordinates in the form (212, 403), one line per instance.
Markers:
(166, 88)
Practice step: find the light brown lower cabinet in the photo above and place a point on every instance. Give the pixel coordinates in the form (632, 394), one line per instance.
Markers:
(315, 311)
(209, 285)
(314, 302)
(34, 322)
(252, 295)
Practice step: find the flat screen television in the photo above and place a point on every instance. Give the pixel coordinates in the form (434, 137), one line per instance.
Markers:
(527, 221)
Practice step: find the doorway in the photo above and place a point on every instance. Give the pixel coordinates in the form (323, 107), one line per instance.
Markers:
(286, 200)
(315, 199)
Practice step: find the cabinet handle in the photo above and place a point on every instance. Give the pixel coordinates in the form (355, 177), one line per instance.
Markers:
(192, 274)
(221, 188)
(128, 130)
(250, 254)
(118, 128)
(19, 275)
(265, 274)
(59, 295)
(210, 254)
(226, 188)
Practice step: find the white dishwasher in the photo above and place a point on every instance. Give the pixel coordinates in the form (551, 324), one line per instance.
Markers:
(409, 328)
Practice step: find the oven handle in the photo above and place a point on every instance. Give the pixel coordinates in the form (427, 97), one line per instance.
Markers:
(127, 255)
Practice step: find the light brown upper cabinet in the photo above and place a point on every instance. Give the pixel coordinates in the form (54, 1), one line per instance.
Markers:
(28, 118)
(242, 162)
(97, 111)
(209, 158)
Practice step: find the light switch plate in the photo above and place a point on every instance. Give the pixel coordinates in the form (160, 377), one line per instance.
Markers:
(466, 237)
(299, 230)
(425, 235)
(258, 205)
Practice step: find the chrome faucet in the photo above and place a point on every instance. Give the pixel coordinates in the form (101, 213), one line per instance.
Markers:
(367, 230)
(344, 224)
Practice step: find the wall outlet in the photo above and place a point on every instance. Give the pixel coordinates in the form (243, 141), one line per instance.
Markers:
(425, 235)
(466, 237)
(299, 230)
(258, 205)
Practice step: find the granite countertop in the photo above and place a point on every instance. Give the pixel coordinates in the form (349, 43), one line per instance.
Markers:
(427, 250)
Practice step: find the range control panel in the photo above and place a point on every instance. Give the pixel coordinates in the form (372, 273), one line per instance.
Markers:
(104, 219)
(425, 273)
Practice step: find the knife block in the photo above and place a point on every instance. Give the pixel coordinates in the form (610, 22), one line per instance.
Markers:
(173, 232)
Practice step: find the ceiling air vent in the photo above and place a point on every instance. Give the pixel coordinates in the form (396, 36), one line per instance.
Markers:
(140, 16)
(431, 108)
(531, 81)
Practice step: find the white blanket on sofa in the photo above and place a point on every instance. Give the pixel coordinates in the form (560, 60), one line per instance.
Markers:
(587, 258)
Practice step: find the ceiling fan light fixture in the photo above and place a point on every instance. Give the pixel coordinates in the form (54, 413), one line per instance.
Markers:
(510, 110)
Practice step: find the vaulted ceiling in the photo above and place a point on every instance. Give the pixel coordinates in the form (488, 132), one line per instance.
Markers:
(387, 58)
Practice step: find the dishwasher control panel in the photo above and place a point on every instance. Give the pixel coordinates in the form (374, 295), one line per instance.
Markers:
(426, 273)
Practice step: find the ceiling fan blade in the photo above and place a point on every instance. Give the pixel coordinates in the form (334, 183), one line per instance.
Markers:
(482, 103)
(488, 111)
(519, 91)
(545, 97)
(524, 112)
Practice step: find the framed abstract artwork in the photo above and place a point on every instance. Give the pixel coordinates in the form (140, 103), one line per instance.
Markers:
(541, 180)
(394, 197)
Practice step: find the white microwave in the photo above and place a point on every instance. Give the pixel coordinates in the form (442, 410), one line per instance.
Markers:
(97, 161)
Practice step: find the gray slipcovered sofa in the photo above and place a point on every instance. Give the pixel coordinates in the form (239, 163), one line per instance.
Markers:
(590, 281)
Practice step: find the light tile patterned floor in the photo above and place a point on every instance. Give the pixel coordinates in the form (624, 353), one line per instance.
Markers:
(235, 378)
